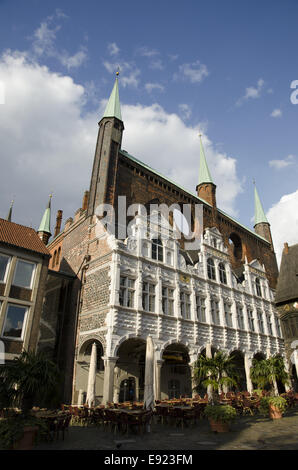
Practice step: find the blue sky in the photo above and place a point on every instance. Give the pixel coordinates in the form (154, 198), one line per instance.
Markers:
(224, 67)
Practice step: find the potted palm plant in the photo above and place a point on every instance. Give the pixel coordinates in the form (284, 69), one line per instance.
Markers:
(220, 417)
(274, 406)
(267, 372)
(215, 373)
(27, 380)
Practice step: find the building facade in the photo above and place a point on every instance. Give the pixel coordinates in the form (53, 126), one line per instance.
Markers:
(217, 295)
(23, 270)
(287, 306)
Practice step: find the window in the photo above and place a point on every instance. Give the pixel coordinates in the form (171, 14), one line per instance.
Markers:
(14, 321)
(258, 287)
(174, 389)
(250, 320)
(169, 258)
(240, 317)
(201, 309)
(168, 301)
(261, 322)
(211, 269)
(23, 274)
(228, 315)
(215, 312)
(4, 262)
(222, 273)
(185, 305)
(148, 297)
(157, 249)
(269, 324)
(277, 327)
(126, 294)
(214, 242)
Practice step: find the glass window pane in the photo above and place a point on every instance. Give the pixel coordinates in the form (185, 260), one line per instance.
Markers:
(3, 266)
(14, 321)
(23, 274)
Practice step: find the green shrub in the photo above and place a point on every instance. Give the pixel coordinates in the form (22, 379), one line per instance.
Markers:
(222, 413)
(278, 402)
(12, 429)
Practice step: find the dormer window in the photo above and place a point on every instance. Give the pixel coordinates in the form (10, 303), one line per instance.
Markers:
(211, 269)
(258, 287)
(222, 273)
(157, 249)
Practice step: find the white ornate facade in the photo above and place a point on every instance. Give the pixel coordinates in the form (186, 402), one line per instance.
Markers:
(155, 289)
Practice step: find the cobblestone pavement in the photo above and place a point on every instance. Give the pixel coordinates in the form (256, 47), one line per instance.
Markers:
(247, 433)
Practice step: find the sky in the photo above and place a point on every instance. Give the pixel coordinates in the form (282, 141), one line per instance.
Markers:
(222, 68)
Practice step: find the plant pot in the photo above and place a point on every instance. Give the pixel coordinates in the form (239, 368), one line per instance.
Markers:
(27, 440)
(218, 426)
(274, 412)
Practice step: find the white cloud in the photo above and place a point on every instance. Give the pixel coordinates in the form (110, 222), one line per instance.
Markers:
(279, 215)
(280, 164)
(185, 111)
(144, 123)
(252, 92)
(47, 143)
(129, 72)
(154, 86)
(194, 72)
(276, 113)
(146, 52)
(44, 39)
(113, 48)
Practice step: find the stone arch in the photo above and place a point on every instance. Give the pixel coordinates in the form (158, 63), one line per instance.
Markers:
(236, 246)
(89, 338)
(239, 356)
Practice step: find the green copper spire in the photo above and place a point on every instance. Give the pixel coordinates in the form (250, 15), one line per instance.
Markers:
(204, 173)
(113, 106)
(10, 212)
(45, 224)
(259, 211)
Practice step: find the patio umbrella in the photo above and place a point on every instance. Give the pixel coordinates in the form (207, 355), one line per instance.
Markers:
(149, 391)
(92, 377)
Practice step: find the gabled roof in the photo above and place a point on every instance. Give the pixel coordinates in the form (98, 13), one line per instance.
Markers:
(287, 285)
(22, 237)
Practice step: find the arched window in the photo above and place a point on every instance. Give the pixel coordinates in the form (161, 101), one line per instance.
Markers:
(236, 244)
(211, 269)
(222, 273)
(258, 287)
(157, 249)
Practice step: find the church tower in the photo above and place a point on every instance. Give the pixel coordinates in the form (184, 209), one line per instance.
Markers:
(103, 179)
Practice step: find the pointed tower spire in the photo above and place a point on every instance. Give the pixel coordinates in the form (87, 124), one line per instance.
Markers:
(105, 161)
(10, 212)
(206, 189)
(113, 108)
(44, 230)
(204, 173)
(260, 216)
(262, 226)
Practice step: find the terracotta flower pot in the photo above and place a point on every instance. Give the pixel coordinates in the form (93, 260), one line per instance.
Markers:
(218, 426)
(274, 412)
(27, 440)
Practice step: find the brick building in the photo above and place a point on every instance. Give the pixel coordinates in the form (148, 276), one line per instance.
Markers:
(218, 295)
